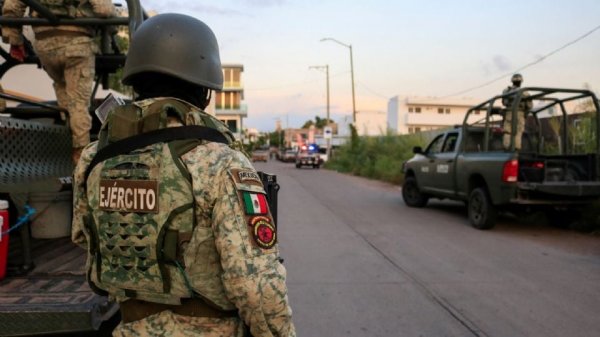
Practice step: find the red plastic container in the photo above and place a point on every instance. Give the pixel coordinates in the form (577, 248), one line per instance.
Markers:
(4, 225)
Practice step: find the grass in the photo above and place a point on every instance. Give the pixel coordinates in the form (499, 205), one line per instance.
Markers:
(378, 158)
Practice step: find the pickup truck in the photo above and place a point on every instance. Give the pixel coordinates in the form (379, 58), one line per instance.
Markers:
(556, 169)
(308, 158)
(45, 290)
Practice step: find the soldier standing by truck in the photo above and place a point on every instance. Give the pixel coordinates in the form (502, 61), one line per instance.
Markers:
(67, 53)
(522, 111)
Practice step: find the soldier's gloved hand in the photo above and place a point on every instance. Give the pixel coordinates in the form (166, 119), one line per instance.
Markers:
(18, 52)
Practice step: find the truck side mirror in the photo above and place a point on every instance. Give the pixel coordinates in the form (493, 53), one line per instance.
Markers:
(417, 150)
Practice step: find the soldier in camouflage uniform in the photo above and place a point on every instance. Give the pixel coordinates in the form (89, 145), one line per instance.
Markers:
(522, 111)
(67, 55)
(178, 231)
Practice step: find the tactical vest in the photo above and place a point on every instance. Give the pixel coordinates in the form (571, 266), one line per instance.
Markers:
(69, 8)
(142, 212)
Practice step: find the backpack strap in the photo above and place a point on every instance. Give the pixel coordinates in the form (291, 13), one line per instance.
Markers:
(132, 143)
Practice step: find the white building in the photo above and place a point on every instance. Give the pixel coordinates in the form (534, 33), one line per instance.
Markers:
(371, 123)
(228, 104)
(415, 114)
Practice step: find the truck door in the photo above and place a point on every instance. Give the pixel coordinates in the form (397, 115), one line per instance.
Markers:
(444, 177)
(426, 172)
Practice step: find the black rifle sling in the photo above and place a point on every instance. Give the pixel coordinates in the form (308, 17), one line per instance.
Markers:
(132, 143)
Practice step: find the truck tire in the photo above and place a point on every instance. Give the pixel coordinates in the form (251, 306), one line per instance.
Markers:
(413, 197)
(482, 213)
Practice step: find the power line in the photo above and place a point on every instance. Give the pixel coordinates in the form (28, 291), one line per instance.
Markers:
(372, 91)
(293, 84)
(540, 59)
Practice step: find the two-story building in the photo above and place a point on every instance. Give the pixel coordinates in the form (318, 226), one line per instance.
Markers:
(416, 114)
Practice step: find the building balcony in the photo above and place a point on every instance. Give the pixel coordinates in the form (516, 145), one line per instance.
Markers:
(242, 111)
(232, 86)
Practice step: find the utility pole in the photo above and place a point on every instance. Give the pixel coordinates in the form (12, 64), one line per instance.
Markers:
(349, 46)
(326, 67)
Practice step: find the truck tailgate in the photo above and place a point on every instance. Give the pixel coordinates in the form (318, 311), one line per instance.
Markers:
(53, 297)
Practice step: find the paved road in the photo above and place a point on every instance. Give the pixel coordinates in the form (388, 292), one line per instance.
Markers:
(361, 263)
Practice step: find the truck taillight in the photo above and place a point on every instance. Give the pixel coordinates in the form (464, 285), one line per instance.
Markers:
(510, 171)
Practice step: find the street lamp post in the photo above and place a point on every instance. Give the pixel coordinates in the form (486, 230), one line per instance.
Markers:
(349, 46)
(326, 67)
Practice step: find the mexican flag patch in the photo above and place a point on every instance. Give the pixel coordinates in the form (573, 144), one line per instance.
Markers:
(255, 203)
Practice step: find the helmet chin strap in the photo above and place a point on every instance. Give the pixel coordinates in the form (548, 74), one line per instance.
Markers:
(207, 97)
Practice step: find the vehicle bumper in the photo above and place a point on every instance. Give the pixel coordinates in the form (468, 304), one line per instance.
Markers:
(557, 193)
(308, 161)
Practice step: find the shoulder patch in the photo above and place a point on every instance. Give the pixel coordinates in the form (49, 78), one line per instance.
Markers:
(246, 176)
(255, 203)
(263, 232)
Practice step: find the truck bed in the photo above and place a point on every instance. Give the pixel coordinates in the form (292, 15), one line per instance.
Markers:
(54, 296)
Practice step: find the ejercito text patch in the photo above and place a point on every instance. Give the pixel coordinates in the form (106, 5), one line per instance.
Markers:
(134, 196)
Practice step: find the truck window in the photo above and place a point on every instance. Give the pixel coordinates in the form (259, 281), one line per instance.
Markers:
(450, 143)
(436, 145)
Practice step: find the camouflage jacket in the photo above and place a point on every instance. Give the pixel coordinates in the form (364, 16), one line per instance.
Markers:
(17, 9)
(252, 276)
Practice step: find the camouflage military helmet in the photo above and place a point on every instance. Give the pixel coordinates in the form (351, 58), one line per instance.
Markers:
(516, 79)
(177, 45)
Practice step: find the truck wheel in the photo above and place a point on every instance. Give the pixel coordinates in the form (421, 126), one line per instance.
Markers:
(482, 213)
(412, 195)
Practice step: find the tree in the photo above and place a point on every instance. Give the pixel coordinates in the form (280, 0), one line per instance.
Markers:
(114, 80)
(275, 138)
(319, 123)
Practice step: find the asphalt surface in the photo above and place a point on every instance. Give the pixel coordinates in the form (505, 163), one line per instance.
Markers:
(361, 263)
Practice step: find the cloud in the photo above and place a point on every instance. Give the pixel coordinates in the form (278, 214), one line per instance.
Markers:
(212, 10)
(263, 3)
(185, 6)
(502, 63)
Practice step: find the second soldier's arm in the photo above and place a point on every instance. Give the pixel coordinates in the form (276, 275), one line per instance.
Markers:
(253, 277)
(13, 9)
(103, 8)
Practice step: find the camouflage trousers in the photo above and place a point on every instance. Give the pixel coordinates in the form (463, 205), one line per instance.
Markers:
(70, 63)
(520, 127)
(168, 324)
(2, 100)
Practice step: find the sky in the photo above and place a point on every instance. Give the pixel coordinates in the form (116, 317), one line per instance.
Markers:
(408, 48)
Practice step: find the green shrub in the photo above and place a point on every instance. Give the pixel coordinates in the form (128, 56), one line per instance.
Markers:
(378, 158)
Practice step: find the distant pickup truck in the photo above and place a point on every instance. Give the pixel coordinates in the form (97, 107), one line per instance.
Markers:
(556, 170)
(308, 158)
(260, 155)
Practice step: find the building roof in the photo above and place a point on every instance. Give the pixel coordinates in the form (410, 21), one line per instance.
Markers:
(438, 101)
(232, 65)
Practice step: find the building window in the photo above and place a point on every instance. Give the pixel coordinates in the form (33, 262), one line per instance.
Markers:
(230, 100)
(231, 77)
(418, 110)
(410, 109)
(440, 110)
(447, 110)
(417, 129)
(232, 125)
